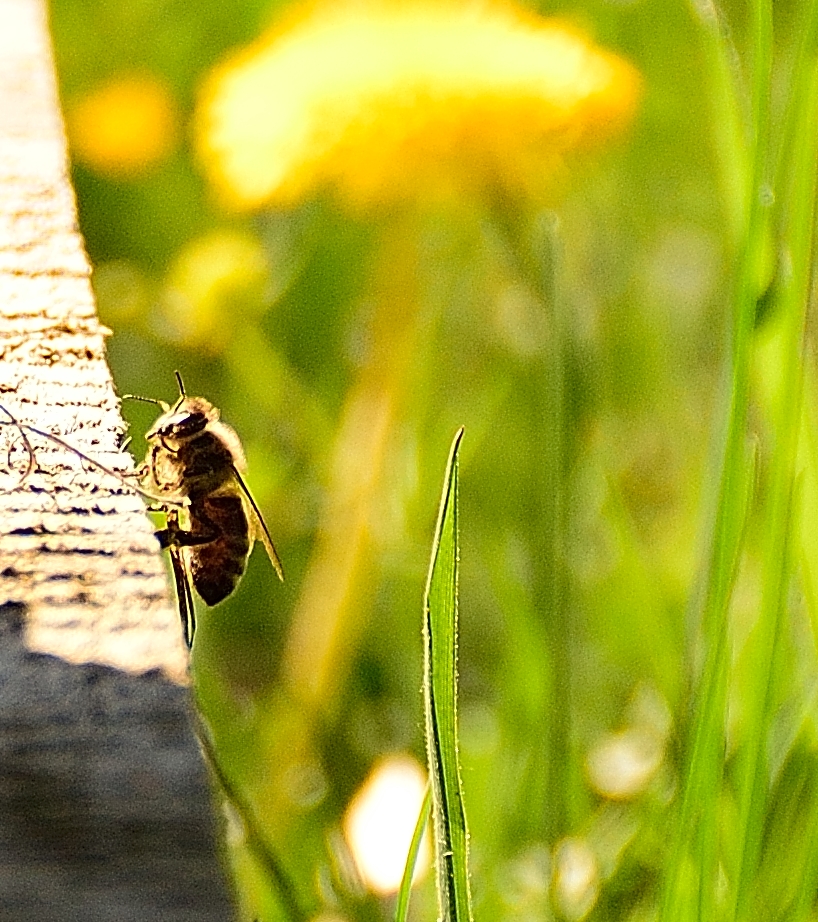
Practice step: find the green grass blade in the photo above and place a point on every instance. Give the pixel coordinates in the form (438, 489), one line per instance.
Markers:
(402, 905)
(690, 882)
(793, 300)
(440, 699)
(689, 885)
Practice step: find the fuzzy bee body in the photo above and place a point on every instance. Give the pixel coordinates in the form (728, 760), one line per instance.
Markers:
(195, 457)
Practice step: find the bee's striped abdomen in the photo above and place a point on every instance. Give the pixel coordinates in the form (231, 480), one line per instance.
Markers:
(217, 566)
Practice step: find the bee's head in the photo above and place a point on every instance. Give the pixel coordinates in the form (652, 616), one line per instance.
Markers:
(189, 417)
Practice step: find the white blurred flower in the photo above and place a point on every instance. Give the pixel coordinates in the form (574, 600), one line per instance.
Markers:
(381, 819)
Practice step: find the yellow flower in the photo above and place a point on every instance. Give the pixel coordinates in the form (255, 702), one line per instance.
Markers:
(123, 127)
(387, 101)
(215, 282)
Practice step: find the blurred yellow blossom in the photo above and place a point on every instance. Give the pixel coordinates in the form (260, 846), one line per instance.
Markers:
(124, 126)
(216, 281)
(386, 101)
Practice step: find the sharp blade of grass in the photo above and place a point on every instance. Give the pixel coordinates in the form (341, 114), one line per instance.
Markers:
(440, 699)
(402, 905)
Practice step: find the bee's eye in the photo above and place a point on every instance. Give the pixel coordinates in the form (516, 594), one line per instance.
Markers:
(190, 424)
(182, 425)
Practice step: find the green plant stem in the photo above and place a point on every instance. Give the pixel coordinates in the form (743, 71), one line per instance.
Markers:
(405, 890)
(533, 248)
(689, 886)
(289, 900)
(550, 572)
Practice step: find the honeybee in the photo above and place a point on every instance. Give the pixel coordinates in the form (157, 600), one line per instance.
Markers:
(192, 475)
(194, 456)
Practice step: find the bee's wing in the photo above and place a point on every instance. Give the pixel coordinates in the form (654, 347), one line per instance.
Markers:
(260, 528)
(183, 593)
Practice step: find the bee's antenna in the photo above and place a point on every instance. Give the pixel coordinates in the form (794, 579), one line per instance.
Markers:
(179, 382)
(158, 403)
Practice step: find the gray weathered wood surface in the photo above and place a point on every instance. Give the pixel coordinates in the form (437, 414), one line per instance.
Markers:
(77, 547)
(105, 812)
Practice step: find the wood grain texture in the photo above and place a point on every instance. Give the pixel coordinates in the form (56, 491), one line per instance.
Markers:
(76, 547)
(105, 810)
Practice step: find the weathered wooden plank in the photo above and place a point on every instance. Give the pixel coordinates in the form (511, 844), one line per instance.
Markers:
(105, 812)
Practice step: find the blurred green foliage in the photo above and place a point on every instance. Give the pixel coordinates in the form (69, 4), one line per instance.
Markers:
(277, 337)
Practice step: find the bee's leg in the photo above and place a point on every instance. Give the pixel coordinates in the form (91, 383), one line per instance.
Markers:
(178, 537)
(175, 536)
(132, 475)
(184, 597)
(149, 472)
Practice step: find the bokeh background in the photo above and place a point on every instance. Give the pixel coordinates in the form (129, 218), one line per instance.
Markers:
(579, 334)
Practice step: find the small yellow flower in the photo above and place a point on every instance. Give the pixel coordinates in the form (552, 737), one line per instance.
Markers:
(388, 101)
(123, 127)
